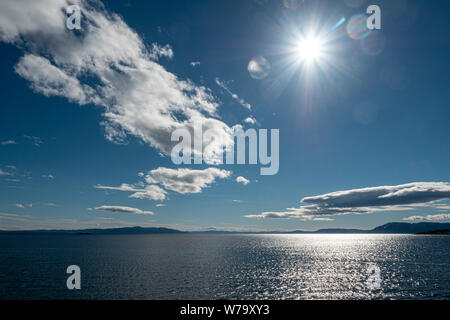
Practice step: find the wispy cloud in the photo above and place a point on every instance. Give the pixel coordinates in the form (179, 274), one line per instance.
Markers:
(8, 171)
(36, 141)
(31, 205)
(8, 142)
(26, 222)
(195, 63)
(365, 200)
(225, 87)
(122, 209)
(48, 176)
(441, 206)
(435, 217)
(10, 221)
(151, 192)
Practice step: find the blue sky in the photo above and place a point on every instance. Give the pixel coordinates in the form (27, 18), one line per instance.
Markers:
(358, 116)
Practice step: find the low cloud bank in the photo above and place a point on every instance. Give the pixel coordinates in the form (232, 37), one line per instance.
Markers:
(365, 200)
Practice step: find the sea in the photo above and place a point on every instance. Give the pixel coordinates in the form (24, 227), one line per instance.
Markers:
(226, 266)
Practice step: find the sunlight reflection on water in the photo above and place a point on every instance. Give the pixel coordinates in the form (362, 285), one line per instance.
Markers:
(335, 267)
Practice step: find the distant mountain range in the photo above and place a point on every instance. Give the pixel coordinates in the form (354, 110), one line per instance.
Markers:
(389, 228)
(131, 230)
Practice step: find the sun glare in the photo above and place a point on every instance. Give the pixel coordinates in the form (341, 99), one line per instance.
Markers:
(309, 49)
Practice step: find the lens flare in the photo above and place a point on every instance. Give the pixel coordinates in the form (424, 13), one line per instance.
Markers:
(373, 44)
(259, 68)
(292, 4)
(338, 24)
(357, 27)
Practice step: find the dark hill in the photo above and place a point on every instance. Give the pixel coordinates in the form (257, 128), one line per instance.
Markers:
(398, 227)
(389, 228)
(131, 230)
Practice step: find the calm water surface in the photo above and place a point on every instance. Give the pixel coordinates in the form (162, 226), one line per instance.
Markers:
(224, 266)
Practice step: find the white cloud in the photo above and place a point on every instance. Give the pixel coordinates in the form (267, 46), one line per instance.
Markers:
(250, 120)
(122, 209)
(107, 64)
(184, 180)
(435, 217)
(52, 81)
(224, 86)
(195, 63)
(365, 200)
(242, 180)
(151, 192)
(405, 194)
(8, 142)
(159, 205)
(158, 51)
(26, 17)
(48, 176)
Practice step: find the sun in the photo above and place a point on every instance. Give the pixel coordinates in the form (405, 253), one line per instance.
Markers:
(309, 49)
